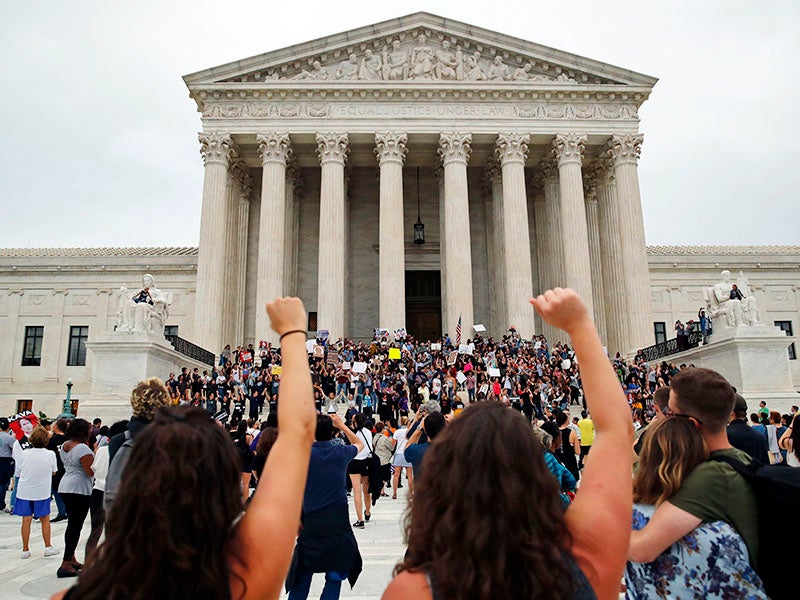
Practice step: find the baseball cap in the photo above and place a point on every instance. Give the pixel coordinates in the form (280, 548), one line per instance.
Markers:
(740, 405)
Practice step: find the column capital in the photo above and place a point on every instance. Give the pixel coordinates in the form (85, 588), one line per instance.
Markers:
(216, 148)
(391, 147)
(455, 147)
(333, 147)
(569, 148)
(624, 148)
(274, 147)
(512, 148)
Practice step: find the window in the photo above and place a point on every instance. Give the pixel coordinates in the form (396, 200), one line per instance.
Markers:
(170, 330)
(312, 321)
(787, 327)
(32, 352)
(660, 330)
(76, 354)
(24, 405)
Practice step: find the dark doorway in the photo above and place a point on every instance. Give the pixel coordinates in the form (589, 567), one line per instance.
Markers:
(424, 304)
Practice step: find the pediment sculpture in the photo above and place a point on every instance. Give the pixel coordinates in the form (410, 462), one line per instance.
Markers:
(424, 60)
(145, 311)
(732, 303)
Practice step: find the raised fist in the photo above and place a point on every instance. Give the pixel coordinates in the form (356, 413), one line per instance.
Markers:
(286, 314)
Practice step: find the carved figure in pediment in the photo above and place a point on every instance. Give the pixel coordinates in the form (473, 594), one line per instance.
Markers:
(523, 73)
(317, 72)
(498, 71)
(348, 69)
(474, 72)
(371, 67)
(446, 63)
(564, 78)
(395, 63)
(422, 59)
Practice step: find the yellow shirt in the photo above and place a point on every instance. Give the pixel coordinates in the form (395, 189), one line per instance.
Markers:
(587, 432)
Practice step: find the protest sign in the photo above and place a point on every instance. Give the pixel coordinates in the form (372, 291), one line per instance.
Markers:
(460, 377)
(464, 349)
(333, 358)
(394, 353)
(319, 351)
(493, 372)
(310, 346)
(359, 367)
(435, 347)
(479, 328)
(276, 370)
(346, 365)
(451, 360)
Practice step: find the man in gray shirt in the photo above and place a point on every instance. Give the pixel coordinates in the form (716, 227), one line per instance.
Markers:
(7, 440)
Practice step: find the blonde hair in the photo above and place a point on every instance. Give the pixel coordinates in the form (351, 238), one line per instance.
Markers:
(39, 437)
(672, 448)
(148, 396)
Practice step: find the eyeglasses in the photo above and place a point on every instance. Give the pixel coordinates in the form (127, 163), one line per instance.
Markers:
(668, 412)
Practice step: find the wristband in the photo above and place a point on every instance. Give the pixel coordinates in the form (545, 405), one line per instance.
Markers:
(291, 332)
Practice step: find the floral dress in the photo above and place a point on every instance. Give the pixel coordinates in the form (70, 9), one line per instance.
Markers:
(710, 562)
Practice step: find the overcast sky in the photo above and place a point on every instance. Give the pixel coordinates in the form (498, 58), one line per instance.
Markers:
(100, 137)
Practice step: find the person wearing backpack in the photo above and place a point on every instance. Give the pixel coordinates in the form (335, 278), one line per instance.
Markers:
(728, 487)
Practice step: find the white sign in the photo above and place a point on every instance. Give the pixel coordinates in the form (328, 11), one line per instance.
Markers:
(435, 347)
(359, 367)
(464, 349)
(479, 328)
(460, 377)
(346, 366)
(310, 346)
(494, 372)
(566, 364)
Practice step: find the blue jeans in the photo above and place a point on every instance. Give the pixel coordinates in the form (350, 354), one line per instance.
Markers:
(302, 584)
(341, 388)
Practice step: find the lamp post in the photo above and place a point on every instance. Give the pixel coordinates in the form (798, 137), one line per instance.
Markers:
(419, 226)
(66, 411)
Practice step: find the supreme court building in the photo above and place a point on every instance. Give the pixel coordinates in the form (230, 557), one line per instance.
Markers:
(322, 160)
(520, 161)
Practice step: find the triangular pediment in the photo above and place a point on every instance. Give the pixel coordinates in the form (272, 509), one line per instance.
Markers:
(418, 49)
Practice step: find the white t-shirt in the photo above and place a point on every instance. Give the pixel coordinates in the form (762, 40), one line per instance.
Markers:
(400, 438)
(100, 468)
(36, 469)
(365, 435)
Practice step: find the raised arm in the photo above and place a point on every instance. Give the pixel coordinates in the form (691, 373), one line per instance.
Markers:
(348, 433)
(600, 517)
(266, 534)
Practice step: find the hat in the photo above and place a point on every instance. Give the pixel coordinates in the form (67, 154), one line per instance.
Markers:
(740, 405)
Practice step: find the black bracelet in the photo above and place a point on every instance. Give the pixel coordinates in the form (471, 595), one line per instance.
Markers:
(291, 332)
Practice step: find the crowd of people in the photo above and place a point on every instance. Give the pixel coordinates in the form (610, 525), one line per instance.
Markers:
(238, 481)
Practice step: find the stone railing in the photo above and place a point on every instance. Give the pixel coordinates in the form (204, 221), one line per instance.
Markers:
(191, 350)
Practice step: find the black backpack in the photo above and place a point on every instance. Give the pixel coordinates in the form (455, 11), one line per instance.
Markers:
(777, 490)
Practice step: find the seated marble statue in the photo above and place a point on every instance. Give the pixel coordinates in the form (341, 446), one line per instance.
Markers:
(146, 311)
(733, 302)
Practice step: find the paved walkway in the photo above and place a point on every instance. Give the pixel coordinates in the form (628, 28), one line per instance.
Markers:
(380, 541)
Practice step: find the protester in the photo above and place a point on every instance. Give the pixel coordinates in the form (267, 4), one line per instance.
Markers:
(711, 561)
(36, 468)
(399, 463)
(6, 461)
(501, 544)
(430, 426)
(743, 437)
(586, 427)
(384, 447)
(790, 441)
(550, 436)
(358, 470)
(326, 543)
(56, 440)
(176, 529)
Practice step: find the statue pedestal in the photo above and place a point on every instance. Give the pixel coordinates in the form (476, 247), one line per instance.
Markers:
(121, 360)
(754, 359)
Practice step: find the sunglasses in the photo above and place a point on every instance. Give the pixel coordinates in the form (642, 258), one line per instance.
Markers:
(668, 412)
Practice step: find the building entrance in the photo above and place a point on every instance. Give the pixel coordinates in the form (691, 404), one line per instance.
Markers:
(424, 304)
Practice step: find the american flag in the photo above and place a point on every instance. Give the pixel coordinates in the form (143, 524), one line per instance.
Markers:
(458, 331)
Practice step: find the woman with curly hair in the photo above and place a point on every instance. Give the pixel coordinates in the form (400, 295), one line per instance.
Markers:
(177, 530)
(487, 522)
(710, 562)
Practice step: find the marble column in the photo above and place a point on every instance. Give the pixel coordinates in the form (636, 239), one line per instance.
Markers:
(230, 302)
(274, 148)
(624, 151)
(614, 292)
(552, 195)
(593, 229)
(543, 244)
(568, 149)
(390, 150)
(439, 176)
(511, 151)
(454, 150)
(332, 149)
(290, 248)
(245, 190)
(497, 249)
(216, 149)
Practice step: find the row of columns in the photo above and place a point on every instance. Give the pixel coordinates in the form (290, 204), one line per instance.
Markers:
(580, 216)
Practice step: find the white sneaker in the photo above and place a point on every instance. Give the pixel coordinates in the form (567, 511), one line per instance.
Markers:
(26, 554)
(51, 551)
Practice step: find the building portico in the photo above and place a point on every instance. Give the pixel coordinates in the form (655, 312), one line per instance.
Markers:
(520, 159)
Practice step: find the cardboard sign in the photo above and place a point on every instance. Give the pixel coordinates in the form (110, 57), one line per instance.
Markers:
(310, 346)
(346, 365)
(479, 328)
(484, 389)
(394, 354)
(246, 357)
(451, 360)
(494, 372)
(460, 377)
(276, 370)
(436, 347)
(359, 367)
(464, 349)
(323, 334)
(333, 358)
(566, 364)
